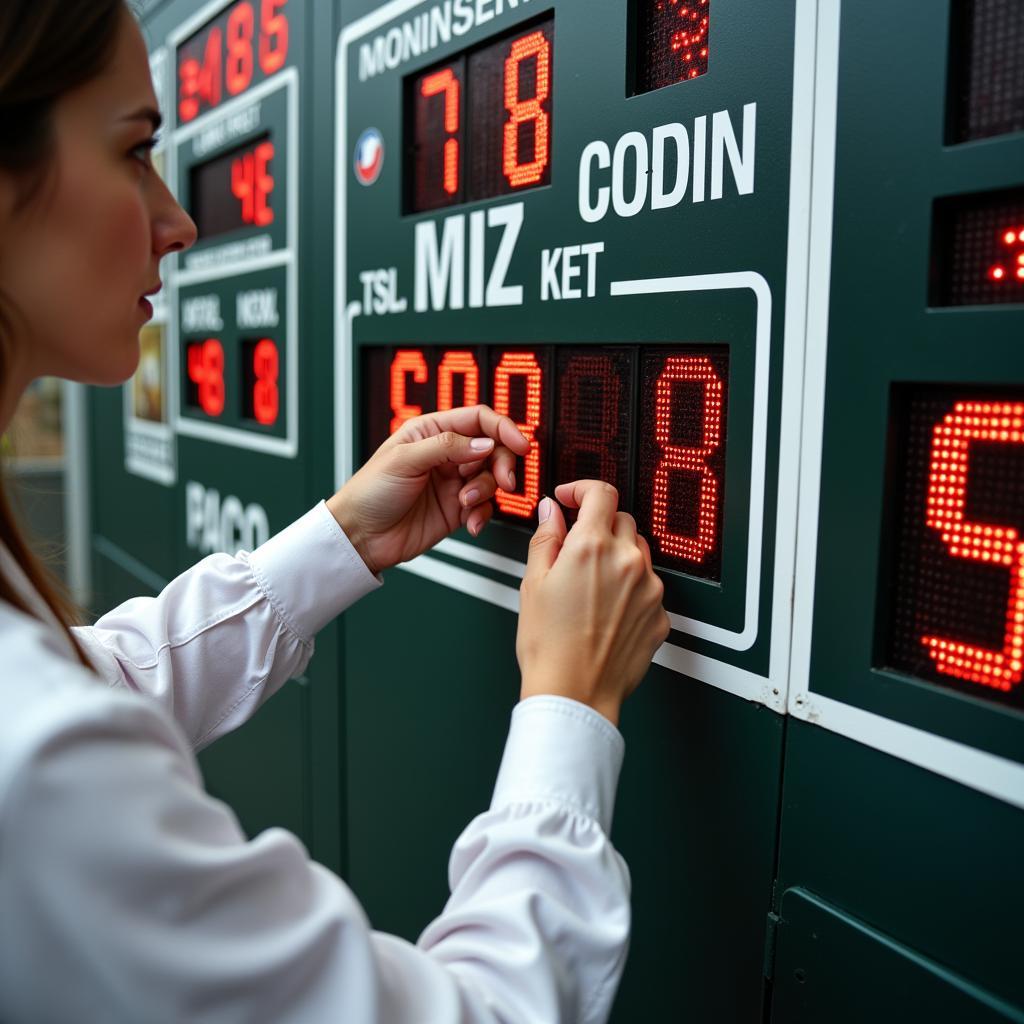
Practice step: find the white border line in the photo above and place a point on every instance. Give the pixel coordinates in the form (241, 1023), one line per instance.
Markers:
(743, 639)
(980, 770)
(237, 437)
(772, 690)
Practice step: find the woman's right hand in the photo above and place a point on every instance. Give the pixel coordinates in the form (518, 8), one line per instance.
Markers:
(590, 615)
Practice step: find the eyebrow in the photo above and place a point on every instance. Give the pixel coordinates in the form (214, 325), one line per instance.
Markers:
(146, 114)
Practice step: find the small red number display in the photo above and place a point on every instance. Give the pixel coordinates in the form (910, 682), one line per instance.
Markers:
(524, 366)
(480, 124)
(672, 41)
(222, 59)
(206, 375)
(245, 175)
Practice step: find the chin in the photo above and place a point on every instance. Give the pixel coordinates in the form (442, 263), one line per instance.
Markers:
(115, 364)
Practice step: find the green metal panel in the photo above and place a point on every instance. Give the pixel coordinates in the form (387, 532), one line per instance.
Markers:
(816, 979)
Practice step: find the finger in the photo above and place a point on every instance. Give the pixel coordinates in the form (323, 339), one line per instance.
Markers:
(504, 462)
(641, 543)
(480, 488)
(624, 527)
(468, 469)
(547, 540)
(596, 500)
(448, 447)
(478, 518)
(481, 421)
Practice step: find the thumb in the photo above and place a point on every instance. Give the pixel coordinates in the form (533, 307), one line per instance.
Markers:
(417, 457)
(547, 540)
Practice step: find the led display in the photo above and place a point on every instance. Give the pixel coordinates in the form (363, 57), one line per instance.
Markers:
(986, 61)
(671, 41)
(234, 191)
(978, 249)
(480, 124)
(650, 421)
(953, 597)
(246, 43)
(242, 388)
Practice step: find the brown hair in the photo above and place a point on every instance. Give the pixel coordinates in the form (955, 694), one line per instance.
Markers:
(47, 49)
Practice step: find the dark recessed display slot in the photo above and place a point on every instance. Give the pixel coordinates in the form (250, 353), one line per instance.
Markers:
(986, 69)
(978, 249)
(952, 581)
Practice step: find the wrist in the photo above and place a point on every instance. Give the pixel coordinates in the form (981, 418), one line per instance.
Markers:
(346, 518)
(545, 685)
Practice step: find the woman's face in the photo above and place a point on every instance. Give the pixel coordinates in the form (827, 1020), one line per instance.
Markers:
(77, 261)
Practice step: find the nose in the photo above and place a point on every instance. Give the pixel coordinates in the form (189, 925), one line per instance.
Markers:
(173, 229)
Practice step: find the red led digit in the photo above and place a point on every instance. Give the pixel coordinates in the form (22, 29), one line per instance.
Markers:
(243, 174)
(252, 184)
(241, 25)
(523, 111)
(1011, 266)
(266, 368)
(206, 371)
(273, 36)
(599, 443)
(522, 364)
(682, 459)
(1001, 423)
(463, 364)
(209, 77)
(406, 361)
(188, 89)
(445, 83)
(263, 184)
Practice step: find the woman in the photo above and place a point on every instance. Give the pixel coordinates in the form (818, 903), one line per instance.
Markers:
(127, 893)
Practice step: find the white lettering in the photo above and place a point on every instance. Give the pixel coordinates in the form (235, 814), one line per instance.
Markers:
(257, 308)
(483, 13)
(549, 274)
(660, 199)
(440, 269)
(593, 212)
(638, 142)
(213, 525)
(723, 138)
(201, 313)
(511, 218)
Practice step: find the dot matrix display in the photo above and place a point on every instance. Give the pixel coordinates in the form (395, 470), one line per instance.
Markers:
(671, 41)
(956, 571)
(986, 58)
(245, 44)
(650, 421)
(480, 125)
(978, 249)
(234, 190)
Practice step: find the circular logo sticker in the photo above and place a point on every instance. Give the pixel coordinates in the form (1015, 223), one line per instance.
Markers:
(369, 156)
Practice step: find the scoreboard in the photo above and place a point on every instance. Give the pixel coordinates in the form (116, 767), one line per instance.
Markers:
(761, 267)
(615, 280)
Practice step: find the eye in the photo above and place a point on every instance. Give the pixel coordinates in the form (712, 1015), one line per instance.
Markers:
(143, 152)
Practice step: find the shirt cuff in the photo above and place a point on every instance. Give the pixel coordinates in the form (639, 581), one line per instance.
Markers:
(310, 572)
(563, 751)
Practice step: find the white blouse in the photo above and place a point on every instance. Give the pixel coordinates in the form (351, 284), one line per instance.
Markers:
(128, 894)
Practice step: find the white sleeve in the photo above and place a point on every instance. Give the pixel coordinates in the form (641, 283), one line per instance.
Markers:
(131, 895)
(228, 633)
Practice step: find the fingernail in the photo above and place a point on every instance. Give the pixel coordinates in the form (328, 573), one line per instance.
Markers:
(473, 529)
(544, 511)
(511, 481)
(471, 497)
(481, 444)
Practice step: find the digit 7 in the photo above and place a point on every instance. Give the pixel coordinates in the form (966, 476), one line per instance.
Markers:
(1003, 423)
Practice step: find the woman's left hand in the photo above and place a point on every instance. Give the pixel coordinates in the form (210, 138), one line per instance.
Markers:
(438, 471)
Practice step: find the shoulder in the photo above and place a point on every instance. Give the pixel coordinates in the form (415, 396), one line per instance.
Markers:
(53, 705)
